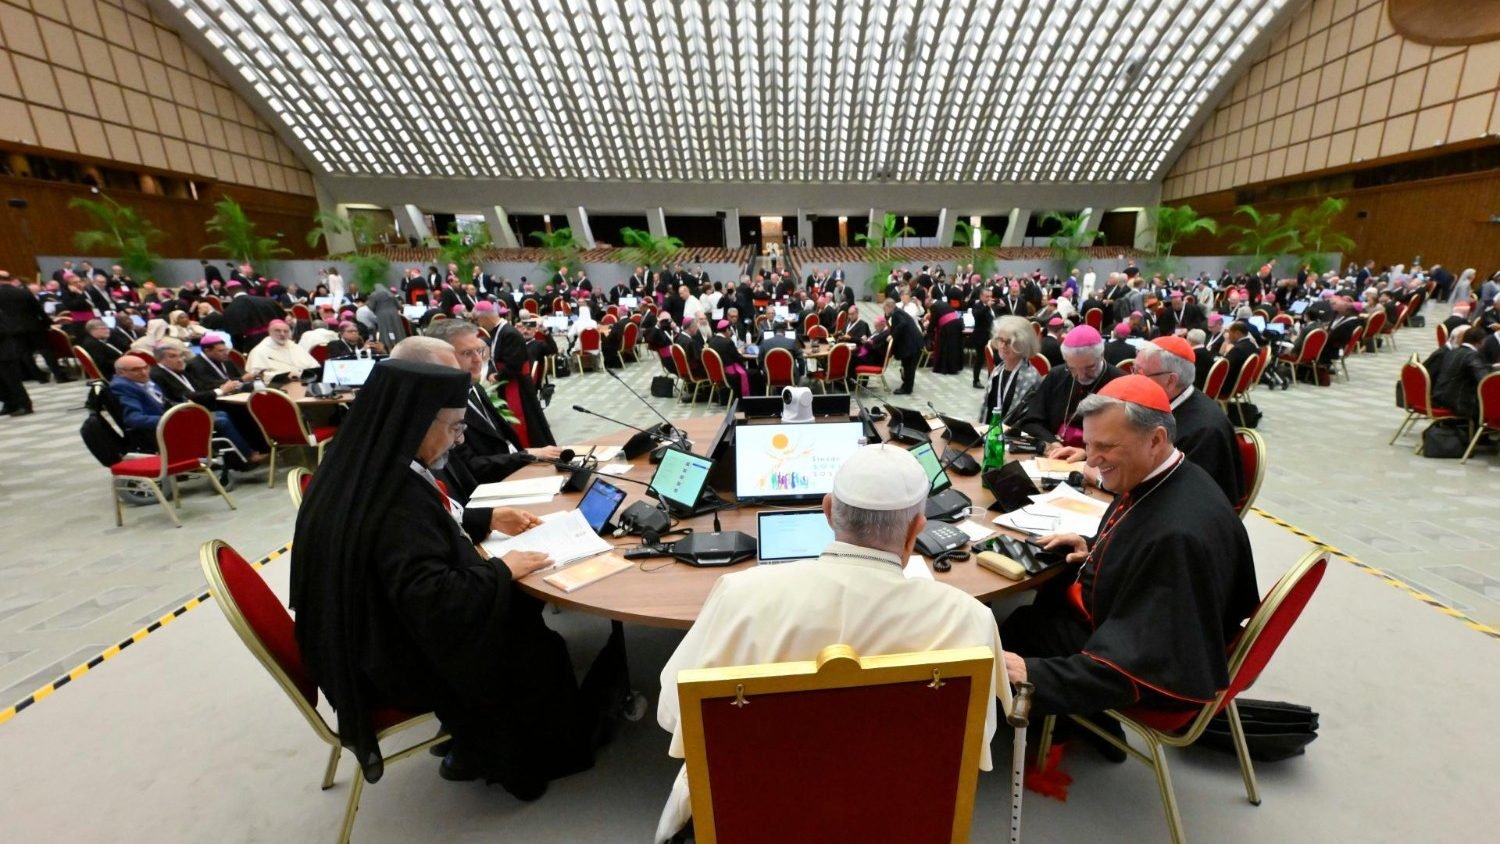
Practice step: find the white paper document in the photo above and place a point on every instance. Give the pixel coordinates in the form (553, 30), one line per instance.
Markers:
(615, 468)
(499, 491)
(1063, 510)
(565, 536)
(602, 453)
(974, 530)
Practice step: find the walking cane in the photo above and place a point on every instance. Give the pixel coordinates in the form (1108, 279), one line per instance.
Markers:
(1019, 717)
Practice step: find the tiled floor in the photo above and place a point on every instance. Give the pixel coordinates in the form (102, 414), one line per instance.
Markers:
(71, 583)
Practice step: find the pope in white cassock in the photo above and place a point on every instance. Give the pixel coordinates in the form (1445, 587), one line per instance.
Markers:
(855, 594)
(278, 355)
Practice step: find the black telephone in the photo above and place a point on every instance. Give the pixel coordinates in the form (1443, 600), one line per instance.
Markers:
(938, 538)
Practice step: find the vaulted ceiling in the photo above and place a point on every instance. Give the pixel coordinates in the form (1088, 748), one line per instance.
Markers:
(856, 92)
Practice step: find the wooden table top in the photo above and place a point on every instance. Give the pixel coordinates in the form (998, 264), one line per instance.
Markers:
(660, 592)
(298, 393)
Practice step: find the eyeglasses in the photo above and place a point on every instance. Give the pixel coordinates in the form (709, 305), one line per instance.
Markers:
(479, 353)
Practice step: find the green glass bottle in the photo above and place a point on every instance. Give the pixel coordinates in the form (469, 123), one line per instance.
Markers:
(994, 446)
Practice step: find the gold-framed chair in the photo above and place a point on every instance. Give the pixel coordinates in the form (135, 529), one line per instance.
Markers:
(184, 446)
(1252, 453)
(1248, 655)
(863, 374)
(267, 630)
(283, 427)
(296, 485)
(747, 731)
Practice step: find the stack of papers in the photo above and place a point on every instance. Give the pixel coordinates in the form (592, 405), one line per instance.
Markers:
(1063, 510)
(515, 493)
(1046, 467)
(602, 453)
(565, 536)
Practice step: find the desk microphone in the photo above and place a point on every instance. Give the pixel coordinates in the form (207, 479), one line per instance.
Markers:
(872, 436)
(642, 442)
(676, 432)
(578, 479)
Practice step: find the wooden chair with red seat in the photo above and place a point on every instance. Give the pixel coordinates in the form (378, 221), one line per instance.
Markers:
(61, 346)
(1489, 411)
(836, 370)
(1252, 451)
(751, 736)
(1248, 655)
(1416, 394)
(266, 628)
(283, 427)
(864, 372)
(1350, 348)
(297, 482)
(630, 341)
(1040, 363)
(184, 446)
(1126, 366)
(319, 353)
(86, 363)
(1218, 373)
(588, 348)
(1312, 347)
(713, 369)
(1094, 318)
(781, 369)
(685, 376)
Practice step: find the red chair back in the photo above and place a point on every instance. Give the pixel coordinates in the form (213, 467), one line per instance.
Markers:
(612, 310)
(1442, 333)
(588, 340)
(214, 302)
(149, 358)
(1270, 623)
(817, 332)
(713, 367)
(267, 627)
(1217, 374)
(1251, 449)
(609, 319)
(185, 435)
(1040, 363)
(1376, 323)
(1354, 340)
(319, 353)
(840, 322)
(680, 361)
(1284, 319)
(278, 417)
(1489, 400)
(62, 346)
(1312, 347)
(86, 363)
(635, 319)
(839, 359)
(1416, 388)
(238, 357)
(808, 322)
(1248, 373)
(1398, 322)
(518, 410)
(559, 305)
(1126, 366)
(989, 358)
(1094, 318)
(630, 336)
(301, 312)
(779, 366)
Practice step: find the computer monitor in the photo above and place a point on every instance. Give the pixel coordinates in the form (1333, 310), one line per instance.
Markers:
(348, 372)
(791, 462)
(785, 535)
(680, 478)
(1299, 306)
(936, 475)
(414, 312)
(599, 504)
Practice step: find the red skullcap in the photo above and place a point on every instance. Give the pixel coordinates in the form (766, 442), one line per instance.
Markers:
(1138, 389)
(1175, 345)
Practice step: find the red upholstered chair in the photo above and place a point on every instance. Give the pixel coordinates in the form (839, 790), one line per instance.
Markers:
(612, 310)
(1350, 348)
(61, 345)
(1126, 366)
(1442, 333)
(238, 357)
(1374, 327)
(781, 752)
(300, 311)
(588, 348)
(319, 353)
(1248, 655)
(214, 302)
(1252, 451)
(1489, 411)
(608, 319)
(713, 368)
(637, 318)
(863, 373)
(267, 630)
(630, 341)
(1284, 319)
(282, 425)
(297, 482)
(989, 358)
(1390, 328)
(1218, 373)
(512, 393)
(559, 305)
(1040, 363)
(1094, 318)
(149, 358)
(184, 444)
(1416, 392)
(836, 370)
(86, 363)
(808, 322)
(781, 369)
(685, 376)
(817, 333)
(840, 322)
(1312, 347)
(1239, 391)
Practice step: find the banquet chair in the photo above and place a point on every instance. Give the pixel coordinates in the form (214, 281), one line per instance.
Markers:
(630, 340)
(1374, 327)
(283, 427)
(685, 376)
(1218, 373)
(1416, 394)
(1350, 348)
(1489, 411)
(818, 334)
(1094, 318)
(87, 364)
(267, 630)
(1248, 655)
(1442, 332)
(1040, 363)
(713, 370)
(184, 446)
(781, 752)
(863, 374)
(1312, 348)
(1126, 366)
(836, 371)
(61, 346)
(238, 357)
(297, 482)
(319, 353)
(781, 369)
(1252, 453)
(589, 347)
(149, 358)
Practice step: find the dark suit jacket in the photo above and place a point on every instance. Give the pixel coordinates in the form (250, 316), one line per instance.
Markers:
(1240, 352)
(905, 335)
(177, 392)
(491, 449)
(201, 372)
(1203, 361)
(509, 352)
(140, 410)
(1192, 317)
(104, 354)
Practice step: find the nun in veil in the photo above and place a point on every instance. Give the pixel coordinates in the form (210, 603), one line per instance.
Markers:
(395, 606)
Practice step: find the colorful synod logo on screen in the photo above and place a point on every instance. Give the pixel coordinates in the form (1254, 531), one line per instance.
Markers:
(793, 464)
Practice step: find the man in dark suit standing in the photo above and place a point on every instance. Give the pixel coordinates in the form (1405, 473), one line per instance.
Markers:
(984, 319)
(15, 304)
(906, 339)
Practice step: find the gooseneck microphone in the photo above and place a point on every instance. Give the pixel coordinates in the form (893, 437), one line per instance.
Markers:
(677, 432)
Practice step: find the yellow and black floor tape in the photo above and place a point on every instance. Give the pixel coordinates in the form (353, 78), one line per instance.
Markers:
(1389, 579)
(114, 650)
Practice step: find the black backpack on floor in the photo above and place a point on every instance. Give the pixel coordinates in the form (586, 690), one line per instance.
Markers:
(1244, 414)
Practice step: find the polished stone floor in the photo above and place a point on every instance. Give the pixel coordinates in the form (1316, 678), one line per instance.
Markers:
(72, 584)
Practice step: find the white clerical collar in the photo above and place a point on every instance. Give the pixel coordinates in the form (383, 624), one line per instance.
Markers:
(1165, 465)
(860, 555)
(1182, 397)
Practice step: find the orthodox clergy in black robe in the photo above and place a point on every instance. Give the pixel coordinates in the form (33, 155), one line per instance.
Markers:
(947, 328)
(1206, 436)
(1149, 616)
(511, 362)
(395, 608)
(1055, 402)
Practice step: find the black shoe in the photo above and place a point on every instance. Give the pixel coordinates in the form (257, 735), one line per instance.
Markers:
(454, 769)
(525, 790)
(442, 748)
(20, 411)
(901, 392)
(978, 386)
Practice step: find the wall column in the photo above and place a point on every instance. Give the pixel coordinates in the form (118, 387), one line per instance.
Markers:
(1145, 230)
(1015, 227)
(337, 244)
(499, 223)
(578, 221)
(947, 224)
(656, 222)
(876, 227)
(411, 222)
(731, 226)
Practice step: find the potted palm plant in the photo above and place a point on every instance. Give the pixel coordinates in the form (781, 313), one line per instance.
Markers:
(642, 249)
(560, 249)
(878, 254)
(1266, 236)
(1172, 225)
(367, 270)
(237, 237)
(1315, 235)
(121, 231)
(982, 244)
(1071, 238)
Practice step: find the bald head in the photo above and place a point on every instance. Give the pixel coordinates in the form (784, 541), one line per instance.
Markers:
(133, 368)
(425, 350)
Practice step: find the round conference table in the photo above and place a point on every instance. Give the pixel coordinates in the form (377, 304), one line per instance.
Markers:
(661, 592)
(297, 392)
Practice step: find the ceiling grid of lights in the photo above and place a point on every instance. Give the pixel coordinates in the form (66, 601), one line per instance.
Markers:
(844, 91)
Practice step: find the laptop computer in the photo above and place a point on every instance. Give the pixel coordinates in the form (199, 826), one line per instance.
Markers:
(786, 535)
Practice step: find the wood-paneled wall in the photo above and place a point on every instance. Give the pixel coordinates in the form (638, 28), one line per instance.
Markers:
(1443, 220)
(46, 225)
